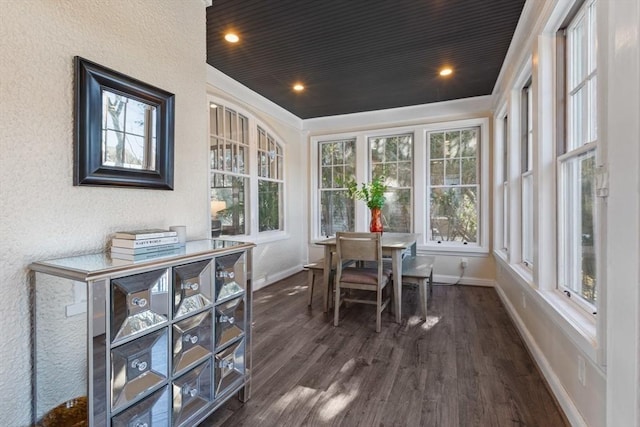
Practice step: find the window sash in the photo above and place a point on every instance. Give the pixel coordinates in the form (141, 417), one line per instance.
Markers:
(577, 226)
(392, 157)
(336, 166)
(454, 199)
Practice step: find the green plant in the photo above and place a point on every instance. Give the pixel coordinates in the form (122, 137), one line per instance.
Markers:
(371, 192)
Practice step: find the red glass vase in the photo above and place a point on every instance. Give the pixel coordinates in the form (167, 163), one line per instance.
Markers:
(376, 221)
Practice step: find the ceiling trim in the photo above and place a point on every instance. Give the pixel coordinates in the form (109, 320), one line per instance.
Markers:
(401, 116)
(218, 81)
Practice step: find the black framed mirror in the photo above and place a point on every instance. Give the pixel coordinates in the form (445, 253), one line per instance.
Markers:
(123, 130)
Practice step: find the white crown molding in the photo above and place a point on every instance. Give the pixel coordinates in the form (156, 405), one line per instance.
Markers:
(401, 116)
(219, 83)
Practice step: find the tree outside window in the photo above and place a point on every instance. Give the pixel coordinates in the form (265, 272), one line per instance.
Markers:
(453, 185)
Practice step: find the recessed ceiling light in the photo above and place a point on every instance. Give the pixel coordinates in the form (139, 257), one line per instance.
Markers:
(231, 37)
(446, 71)
(212, 105)
(298, 87)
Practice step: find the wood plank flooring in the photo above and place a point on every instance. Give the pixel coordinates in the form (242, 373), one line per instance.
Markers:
(465, 366)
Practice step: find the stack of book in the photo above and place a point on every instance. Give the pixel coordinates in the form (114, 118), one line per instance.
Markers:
(139, 245)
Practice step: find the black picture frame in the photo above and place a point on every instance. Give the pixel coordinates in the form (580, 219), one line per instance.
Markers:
(90, 81)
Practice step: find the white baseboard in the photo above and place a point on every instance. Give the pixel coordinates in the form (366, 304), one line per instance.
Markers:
(441, 279)
(268, 279)
(561, 395)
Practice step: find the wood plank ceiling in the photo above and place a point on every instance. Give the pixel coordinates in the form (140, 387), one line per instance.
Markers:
(361, 55)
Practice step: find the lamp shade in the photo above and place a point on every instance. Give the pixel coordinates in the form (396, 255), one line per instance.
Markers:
(217, 206)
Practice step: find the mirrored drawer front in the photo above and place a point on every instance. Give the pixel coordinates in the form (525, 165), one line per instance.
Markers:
(138, 303)
(229, 366)
(192, 341)
(152, 411)
(192, 287)
(138, 366)
(191, 393)
(230, 276)
(229, 321)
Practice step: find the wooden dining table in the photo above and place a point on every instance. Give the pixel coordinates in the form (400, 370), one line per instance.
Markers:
(394, 245)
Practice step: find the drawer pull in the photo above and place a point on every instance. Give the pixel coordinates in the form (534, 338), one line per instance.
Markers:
(225, 274)
(190, 338)
(225, 318)
(226, 364)
(139, 364)
(140, 302)
(186, 390)
(190, 286)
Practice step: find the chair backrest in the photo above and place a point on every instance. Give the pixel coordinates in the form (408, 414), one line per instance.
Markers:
(358, 246)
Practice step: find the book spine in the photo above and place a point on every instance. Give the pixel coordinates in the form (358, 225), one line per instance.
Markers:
(145, 249)
(142, 236)
(124, 243)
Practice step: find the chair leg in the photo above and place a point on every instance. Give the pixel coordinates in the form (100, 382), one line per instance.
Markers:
(311, 280)
(336, 307)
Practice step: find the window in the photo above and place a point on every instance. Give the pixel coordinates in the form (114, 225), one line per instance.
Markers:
(505, 184)
(392, 158)
(454, 185)
(229, 147)
(270, 182)
(337, 166)
(526, 154)
(577, 162)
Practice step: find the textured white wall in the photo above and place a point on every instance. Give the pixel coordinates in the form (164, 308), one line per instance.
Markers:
(42, 215)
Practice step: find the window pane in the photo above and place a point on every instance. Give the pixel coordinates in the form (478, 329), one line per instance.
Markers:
(453, 186)
(377, 150)
(269, 205)
(396, 212)
(437, 172)
(469, 171)
(452, 144)
(392, 158)
(469, 143)
(454, 214)
(229, 190)
(577, 257)
(338, 165)
(527, 219)
(437, 145)
(405, 174)
(452, 172)
(391, 150)
(336, 212)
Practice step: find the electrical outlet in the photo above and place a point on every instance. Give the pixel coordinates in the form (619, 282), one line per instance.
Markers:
(464, 262)
(581, 371)
(524, 300)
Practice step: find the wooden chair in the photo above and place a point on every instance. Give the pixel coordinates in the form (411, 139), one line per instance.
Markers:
(366, 247)
(314, 269)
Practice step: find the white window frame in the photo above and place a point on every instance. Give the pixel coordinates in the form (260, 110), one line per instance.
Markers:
(411, 188)
(482, 244)
(318, 189)
(251, 223)
(576, 149)
(526, 170)
(420, 176)
(278, 157)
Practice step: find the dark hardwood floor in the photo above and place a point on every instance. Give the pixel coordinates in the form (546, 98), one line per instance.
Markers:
(465, 366)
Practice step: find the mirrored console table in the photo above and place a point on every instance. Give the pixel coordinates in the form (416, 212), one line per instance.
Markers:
(159, 342)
